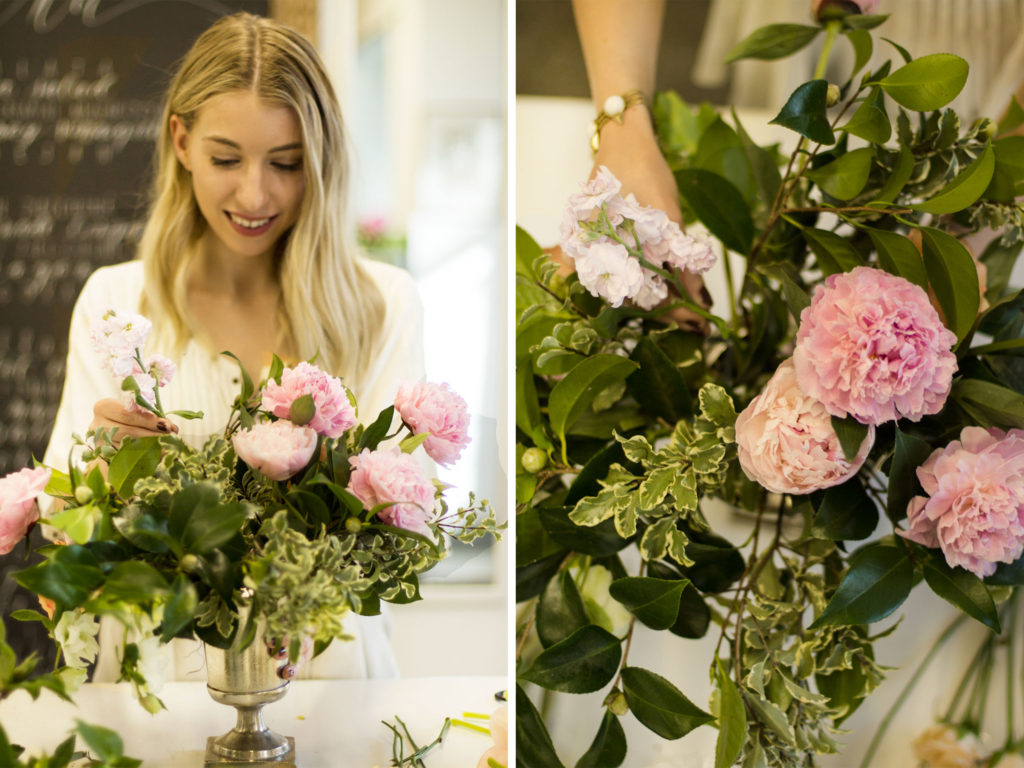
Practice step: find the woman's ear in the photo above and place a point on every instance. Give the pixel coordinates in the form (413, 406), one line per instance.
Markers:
(179, 138)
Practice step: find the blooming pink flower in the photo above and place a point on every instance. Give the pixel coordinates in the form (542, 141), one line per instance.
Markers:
(278, 449)
(438, 411)
(786, 442)
(593, 193)
(161, 369)
(872, 347)
(334, 412)
(975, 506)
(607, 270)
(18, 510)
(388, 476)
(117, 336)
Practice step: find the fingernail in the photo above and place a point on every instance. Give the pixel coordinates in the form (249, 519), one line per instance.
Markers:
(162, 426)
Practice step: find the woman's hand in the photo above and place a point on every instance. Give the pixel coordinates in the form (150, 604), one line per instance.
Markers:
(110, 413)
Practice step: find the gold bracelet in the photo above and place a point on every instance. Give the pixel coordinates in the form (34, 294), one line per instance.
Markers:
(614, 109)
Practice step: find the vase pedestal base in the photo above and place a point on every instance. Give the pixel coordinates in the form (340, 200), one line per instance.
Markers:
(214, 760)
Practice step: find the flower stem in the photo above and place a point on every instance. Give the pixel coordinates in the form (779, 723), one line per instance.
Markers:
(831, 32)
(890, 716)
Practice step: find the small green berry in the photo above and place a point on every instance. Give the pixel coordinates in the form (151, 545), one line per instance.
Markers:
(353, 525)
(83, 494)
(189, 563)
(832, 95)
(534, 460)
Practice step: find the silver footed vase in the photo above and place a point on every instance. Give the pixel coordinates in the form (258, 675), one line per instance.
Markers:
(247, 679)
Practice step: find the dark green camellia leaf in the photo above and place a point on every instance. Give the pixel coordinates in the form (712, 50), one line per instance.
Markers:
(659, 705)
(846, 176)
(927, 83)
(962, 589)
(1008, 176)
(870, 121)
(560, 611)
(179, 609)
(596, 468)
(106, 745)
(796, 297)
(834, 253)
(965, 189)
(898, 256)
(571, 396)
(865, 20)
(719, 206)
(657, 385)
(137, 458)
(805, 112)
(847, 512)
(1008, 574)
(376, 432)
(655, 602)
(877, 582)
(732, 719)
(133, 581)
(991, 405)
(531, 579)
(862, 47)
(608, 749)
(954, 278)
(599, 540)
(694, 615)
(717, 564)
(532, 540)
(909, 453)
(851, 434)
(762, 164)
(533, 742)
(721, 152)
(774, 41)
(585, 661)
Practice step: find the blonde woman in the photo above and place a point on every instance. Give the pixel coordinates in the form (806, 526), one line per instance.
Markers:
(246, 249)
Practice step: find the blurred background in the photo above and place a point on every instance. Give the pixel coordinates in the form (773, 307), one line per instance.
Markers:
(422, 89)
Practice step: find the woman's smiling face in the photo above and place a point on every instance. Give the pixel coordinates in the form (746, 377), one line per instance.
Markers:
(245, 156)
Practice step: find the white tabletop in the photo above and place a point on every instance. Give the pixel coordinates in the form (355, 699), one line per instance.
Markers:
(335, 723)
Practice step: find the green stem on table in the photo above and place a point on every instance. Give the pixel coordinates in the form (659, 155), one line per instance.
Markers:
(1010, 688)
(890, 716)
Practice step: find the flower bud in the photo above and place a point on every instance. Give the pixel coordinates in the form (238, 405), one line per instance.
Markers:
(616, 702)
(189, 563)
(832, 95)
(825, 10)
(353, 525)
(83, 494)
(534, 460)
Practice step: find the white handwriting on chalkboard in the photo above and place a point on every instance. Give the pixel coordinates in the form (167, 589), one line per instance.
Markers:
(46, 15)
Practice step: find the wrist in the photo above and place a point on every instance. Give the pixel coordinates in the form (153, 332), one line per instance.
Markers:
(627, 111)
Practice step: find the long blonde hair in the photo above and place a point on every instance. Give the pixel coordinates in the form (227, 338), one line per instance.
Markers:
(330, 306)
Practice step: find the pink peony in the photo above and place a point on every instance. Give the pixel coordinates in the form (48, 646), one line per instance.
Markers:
(872, 347)
(786, 441)
(334, 412)
(437, 410)
(388, 476)
(975, 506)
(278, 449)
(18, 509)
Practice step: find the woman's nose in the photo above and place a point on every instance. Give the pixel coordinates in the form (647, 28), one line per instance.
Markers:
(252, 189)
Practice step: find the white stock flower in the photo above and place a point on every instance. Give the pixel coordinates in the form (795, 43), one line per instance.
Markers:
(1010, 760)
(76, 634)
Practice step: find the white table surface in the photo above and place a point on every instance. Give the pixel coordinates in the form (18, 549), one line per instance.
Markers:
(335, 723)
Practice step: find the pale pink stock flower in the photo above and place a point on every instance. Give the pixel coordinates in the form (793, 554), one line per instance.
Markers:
(388, 476)
(18, 509)
(871, 346)
(594, 192)
(786, 442)
(974, 510)
(278, 449)
(147, 388)
(499, 735)
(161, 369)
(117, 336)
(608, 271)
(438, 411)
(939, 747)
(334, 412)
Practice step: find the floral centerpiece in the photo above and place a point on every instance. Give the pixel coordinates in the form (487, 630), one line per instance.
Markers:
(296, 510)
(860, 399)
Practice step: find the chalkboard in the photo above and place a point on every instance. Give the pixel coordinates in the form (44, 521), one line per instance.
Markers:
(81, 88)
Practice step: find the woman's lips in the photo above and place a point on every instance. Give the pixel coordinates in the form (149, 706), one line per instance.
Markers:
(249, 226)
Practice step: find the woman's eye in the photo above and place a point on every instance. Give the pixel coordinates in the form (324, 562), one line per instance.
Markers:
(223, 161)
(288, 166)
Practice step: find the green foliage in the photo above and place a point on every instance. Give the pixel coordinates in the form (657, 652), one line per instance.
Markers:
(628, 420)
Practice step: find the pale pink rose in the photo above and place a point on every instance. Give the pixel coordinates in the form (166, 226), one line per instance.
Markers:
(829, 9)
(334, 412)
(18, 509)
(438, 411)
(974, 510)
(786, 442)
(939, 747)
(388, 476)
(872, 347)
(278, 449)
(499, 734)
(607, 270)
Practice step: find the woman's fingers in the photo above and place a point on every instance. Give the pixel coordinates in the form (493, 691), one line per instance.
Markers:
(110, 413)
